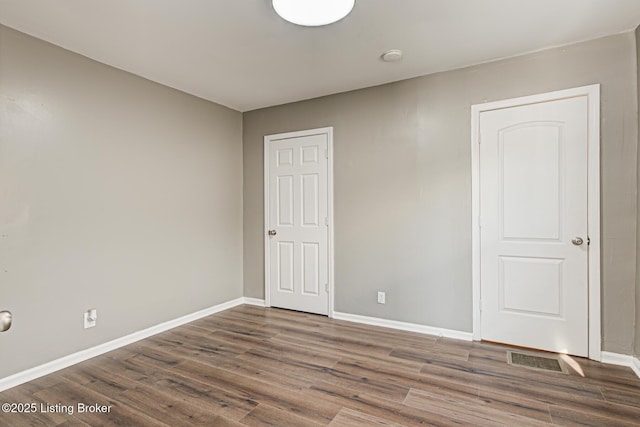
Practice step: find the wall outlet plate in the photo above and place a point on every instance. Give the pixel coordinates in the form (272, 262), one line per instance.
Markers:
(382, 297)
(90, 318)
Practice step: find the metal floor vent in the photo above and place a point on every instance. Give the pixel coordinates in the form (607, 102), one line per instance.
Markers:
(532, 361)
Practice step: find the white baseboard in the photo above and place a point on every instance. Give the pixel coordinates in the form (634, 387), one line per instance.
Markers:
(411, 327)
(635, 365)
(66, 361)
(72, 359)
(622, 360)
(254, 301)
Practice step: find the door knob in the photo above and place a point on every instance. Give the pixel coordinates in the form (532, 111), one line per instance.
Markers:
(577, 241)
(5, 320)
(272, 232)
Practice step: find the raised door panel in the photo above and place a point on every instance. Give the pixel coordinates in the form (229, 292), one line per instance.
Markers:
(530, 160)
(284, 201)
(531, 286)
(310, 268)
(285, 266)
(310, 200)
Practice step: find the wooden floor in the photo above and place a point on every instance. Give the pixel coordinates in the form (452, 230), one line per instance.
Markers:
(251, 366)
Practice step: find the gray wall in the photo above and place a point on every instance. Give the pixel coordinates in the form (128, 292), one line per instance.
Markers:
(637, 320)
(117, 193)
(403, 183)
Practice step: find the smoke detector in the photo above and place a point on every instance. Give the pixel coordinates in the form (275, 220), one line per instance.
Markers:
(392, 55)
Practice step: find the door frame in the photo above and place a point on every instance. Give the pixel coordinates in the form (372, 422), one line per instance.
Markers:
(592, 92)
(330, 246)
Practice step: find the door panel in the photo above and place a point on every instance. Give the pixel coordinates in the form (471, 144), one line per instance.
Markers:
(298, 210)
(310, 269)
(531, 285)
(310, 202)
(284, 266)
(284, 201)
(519, 162)
(533, 202)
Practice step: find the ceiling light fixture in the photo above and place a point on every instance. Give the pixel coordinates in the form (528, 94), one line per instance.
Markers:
(313, 13)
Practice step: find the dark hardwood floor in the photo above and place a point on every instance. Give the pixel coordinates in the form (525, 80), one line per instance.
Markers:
(251, 366)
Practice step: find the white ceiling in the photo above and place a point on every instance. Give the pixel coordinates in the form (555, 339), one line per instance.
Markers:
(240, 54)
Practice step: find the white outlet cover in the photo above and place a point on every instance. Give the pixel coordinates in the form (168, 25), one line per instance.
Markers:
(90, 318)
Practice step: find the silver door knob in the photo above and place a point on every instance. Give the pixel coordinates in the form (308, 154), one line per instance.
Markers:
(272, 232)
(5, 320)
(577, 241)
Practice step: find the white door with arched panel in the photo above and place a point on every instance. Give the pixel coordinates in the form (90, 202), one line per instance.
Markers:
(533, 224)
(297, 220)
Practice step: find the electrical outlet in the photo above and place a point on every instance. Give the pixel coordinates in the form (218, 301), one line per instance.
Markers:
(90, 318)
(381, 297)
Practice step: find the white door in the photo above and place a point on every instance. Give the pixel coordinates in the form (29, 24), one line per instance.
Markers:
(297, 221)
(533, 225)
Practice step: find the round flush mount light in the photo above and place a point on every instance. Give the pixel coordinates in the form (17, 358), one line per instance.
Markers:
(313, 13)
(392, 55)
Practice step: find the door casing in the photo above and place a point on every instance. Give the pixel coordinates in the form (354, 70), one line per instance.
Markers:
(592, 93)
(330, 246)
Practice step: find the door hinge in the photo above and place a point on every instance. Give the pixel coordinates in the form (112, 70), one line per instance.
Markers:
(326, 287)
(479, 222)
(480, 306)
(326, 153)
(588, 240)
(479, 138)
(326, 221)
